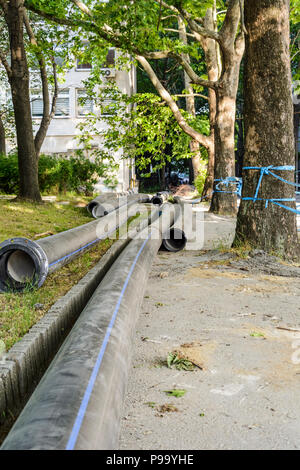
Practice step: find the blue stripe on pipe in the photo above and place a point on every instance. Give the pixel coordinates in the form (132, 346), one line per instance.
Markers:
(83, 247)
(81, 412)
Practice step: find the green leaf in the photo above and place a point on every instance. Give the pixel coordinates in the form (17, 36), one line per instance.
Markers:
(175, 393)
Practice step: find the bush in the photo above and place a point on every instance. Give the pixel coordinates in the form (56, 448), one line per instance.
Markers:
(9, 176)
(57, 173)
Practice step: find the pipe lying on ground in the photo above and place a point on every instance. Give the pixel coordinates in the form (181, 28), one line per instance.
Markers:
(103, 205)
(109, 206)
(160, 197)
(181, 200)
(176, 239)
(103, 198)
(25, 262)
(78, 403)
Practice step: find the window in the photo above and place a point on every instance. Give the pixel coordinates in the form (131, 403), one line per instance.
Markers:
(63, 104)
(110, 58)
(83, 66)
(37, 104)
(84, 104)
(108, 107)
(60, 61)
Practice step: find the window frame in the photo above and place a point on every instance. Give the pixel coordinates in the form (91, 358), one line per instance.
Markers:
(78, 115)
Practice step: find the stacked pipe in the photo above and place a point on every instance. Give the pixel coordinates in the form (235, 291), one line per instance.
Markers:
(106, 203)
(78, 403)
(23, 261)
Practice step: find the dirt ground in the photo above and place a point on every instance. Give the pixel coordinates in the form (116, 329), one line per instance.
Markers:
(239, 322)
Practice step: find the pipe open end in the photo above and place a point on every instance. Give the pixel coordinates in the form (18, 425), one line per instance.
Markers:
(90, 207)
(158, 200)
(20, 266)
(175, 241)
(23, 264)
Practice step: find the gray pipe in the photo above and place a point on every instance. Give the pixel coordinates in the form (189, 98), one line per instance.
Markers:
(104, 208)
(181, 200)
(24, 261)
(160, 197)
(103, 198)
(176, 239)
(104, 204)
(78, 403)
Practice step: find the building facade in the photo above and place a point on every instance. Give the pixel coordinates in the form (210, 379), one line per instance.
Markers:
(70, 113)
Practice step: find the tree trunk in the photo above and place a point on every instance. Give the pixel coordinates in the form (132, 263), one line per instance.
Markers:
(162, 179)
(226, 203)
(232, 50)
(2, 138)
(19, 82)
(190, 103)
(268, 129)
(296, 137)
(212, 59)
(240, 147)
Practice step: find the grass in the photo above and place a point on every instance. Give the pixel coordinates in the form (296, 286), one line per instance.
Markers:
(17, 310)
(28, 220)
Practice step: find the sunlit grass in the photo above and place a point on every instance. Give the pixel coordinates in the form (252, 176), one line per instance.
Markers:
(17, 311)
(28, 220)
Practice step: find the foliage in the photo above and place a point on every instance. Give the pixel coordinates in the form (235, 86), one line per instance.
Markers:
(175, 393)
(142, 126)
(200, 179)
(179, 363)
(56, 173)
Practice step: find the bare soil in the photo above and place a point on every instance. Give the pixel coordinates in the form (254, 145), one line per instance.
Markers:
(240, 317)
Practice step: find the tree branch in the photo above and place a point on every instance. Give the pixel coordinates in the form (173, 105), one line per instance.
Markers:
(3, 5)
(165, 95)
(171, 30)
(5, 63)
(195, 79)
(84, 8)
(231, 21)
(186, 95)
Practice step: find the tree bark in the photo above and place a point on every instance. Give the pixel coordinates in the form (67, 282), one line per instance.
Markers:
(225, 203)
(48, 113)
(190, 104)
(232, 49)
(2, 138)
(268, 129)
(19, 82)
(213, 65)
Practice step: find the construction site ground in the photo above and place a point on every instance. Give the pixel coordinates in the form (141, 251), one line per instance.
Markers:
(237, 321)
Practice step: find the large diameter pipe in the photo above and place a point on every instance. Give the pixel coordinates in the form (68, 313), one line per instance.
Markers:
(103, 198)
(24, 262)
(181, 200)
(160, 198)
(78, 403)
(175, 239)
(102, 205)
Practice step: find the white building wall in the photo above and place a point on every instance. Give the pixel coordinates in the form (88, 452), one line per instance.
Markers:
(62, 131)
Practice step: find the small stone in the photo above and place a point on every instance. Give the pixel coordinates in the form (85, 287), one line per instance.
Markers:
(38, 306)
(164, 274)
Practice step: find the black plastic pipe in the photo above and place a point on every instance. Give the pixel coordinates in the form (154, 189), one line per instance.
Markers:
(176, 239)
(160, 197)
(101, 199)
(78, 403)
(102, 205)
(25, 262)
